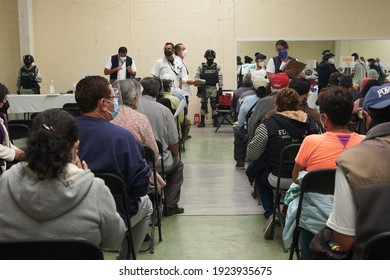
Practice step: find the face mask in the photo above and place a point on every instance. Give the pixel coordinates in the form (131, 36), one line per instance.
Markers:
(283, 54)
(261, 63)
(28, 63)
(184, 53)
(331, 60)
(167, 53)
(116, 108)
(122, 58)
(210, 61)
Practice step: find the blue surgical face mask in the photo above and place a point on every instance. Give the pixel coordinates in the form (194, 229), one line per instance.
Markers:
(283, 54)
(116, 108)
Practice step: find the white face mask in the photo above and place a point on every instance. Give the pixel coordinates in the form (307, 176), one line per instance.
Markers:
(184, 53)
(122, 58)
(261, 63)
(331, 60)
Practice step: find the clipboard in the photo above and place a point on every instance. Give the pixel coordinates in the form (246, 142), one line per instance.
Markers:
(294, 68)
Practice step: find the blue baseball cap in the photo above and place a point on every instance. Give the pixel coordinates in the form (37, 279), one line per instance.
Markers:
(378, 97)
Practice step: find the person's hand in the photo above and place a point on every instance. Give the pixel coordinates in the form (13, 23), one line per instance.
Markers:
(118, 68)
(130, 71)
(19, 154)
(191, 82)
(81, 164)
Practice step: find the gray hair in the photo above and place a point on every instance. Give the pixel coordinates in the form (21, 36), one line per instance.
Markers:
(128, 89)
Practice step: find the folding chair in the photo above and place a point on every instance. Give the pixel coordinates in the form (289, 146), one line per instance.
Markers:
(162, 173)
(378, 247)
(18, 131)
(286, 161)
(181, 138)
(61, 249)
(223, 108)
(155, 197)
(75, 112)
(316, 181)
(70, 105)
(26, 122)
(118, 188)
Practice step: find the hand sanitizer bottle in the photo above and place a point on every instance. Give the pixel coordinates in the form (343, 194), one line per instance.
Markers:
(52, 90)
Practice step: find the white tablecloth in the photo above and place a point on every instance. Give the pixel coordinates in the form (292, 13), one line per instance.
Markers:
(31, 103)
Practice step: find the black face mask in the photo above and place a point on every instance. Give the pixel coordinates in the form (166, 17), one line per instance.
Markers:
(167, 53)
(28, 63)
(210, 61)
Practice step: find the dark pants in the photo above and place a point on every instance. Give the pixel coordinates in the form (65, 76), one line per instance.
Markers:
(305, 237)
(174, 179)
(240, 144)
(258, 170)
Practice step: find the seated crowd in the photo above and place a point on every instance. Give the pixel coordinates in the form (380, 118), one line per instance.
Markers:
(325, 134)
(53, 193)
(51, 188)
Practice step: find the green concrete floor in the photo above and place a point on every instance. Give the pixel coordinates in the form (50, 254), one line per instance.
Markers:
(221, 219)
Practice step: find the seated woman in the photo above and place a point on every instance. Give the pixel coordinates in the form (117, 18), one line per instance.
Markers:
(287, 126)
(138, 124)
(321, 151)
(52, 195)
(8, 151)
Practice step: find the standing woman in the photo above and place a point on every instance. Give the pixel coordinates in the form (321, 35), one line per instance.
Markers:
(8, 151)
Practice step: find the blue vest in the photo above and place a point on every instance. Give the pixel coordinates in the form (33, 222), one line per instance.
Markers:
(115, 63)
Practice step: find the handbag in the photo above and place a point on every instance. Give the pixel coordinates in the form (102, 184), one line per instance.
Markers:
(324, 247)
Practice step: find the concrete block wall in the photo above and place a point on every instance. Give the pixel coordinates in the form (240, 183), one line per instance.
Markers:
(75, 37)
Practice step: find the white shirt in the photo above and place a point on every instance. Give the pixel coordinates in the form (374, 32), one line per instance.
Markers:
(343, 216)
(122, 72)
(185, 87)
(163, 66)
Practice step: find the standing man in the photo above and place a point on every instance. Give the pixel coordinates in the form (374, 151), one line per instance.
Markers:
(169, 65)
(359, 71)
(120, 66)
(181, 52)
(212, 74)
(325, 69)
(28, 77)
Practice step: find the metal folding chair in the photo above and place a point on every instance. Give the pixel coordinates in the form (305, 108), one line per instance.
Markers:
(223, 108)
(286, 161)
(316, 181)
(155, 196)
(26, 122)
(61, 249)
(118, 187)
(162, 173)
(18, 131)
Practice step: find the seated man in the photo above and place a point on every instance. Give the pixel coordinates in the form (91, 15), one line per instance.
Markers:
(241, 133)
(110, 148)
(165, 131)
(175, 103)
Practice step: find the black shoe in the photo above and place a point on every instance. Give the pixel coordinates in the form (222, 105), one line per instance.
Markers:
(173, 211)
(240, 165)
(188, 137)
(201, 124)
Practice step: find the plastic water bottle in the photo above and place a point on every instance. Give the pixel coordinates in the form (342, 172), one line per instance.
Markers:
(52, 90)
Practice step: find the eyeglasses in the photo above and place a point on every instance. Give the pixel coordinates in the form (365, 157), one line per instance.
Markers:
(116, 94)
